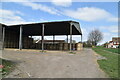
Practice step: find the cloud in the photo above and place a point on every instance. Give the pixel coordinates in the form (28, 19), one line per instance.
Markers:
(62, 0)
(109, 32)
(85, 33)
(20, 13)
(85, 13)
(112, 28)
(89, 14)
(63, 3)
(10, 17)
(108, 37)
(36, 6)
(113, 19)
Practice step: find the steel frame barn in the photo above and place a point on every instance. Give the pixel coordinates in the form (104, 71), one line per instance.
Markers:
(44, 29)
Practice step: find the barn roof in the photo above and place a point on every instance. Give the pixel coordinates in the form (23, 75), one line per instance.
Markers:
(51, 28)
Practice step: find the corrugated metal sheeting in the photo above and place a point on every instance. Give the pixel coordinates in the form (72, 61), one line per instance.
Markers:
(16, 36)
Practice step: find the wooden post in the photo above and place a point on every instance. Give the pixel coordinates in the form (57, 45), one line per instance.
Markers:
(70, 37)
(20, 38)
(42, 37)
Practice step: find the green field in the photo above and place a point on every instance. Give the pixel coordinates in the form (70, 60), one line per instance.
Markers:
(113, 50)
(8, 67)
(110, 66)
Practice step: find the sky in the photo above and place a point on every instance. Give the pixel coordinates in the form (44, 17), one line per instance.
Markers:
(90, 15)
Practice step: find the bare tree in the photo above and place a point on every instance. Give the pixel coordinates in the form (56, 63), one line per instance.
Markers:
(95, 36)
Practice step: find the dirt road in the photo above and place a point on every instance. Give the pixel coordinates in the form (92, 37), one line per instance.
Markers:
(54, 64)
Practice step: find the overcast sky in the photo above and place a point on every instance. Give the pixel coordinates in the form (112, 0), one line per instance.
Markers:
(90, 15)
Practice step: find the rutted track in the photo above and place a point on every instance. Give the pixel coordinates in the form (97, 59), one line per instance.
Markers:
(54, 64)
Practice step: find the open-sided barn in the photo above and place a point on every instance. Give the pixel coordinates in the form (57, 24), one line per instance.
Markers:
(18, 36)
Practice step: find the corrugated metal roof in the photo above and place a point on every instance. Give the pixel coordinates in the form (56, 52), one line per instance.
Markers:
(51, 28)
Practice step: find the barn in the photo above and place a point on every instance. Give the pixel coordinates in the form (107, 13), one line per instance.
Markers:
(20, 36)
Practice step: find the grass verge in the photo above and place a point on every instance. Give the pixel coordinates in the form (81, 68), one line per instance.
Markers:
(110, 66)
(8, 66)
(72, 52)
(113, 50)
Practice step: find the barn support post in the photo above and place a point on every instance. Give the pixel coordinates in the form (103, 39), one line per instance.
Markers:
(3, 37)
(20, 38)
(53, 39)
(81, 38)
(70, 37)
(67, 39)
(43, 37)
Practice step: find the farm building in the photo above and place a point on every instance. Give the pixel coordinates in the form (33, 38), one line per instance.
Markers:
(20, 36)
(114, 43)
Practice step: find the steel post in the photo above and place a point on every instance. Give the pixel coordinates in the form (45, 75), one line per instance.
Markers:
(81, 38)
(67, 38)
(3, 37)
(20, 38)
(70, 37)
(53, 39)
(42, 37)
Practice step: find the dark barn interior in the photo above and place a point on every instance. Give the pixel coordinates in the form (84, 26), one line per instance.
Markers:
(20, 36)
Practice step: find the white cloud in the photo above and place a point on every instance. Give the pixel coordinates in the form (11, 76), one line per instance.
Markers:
(109, 32)
(63, 3)
(108, 37)
(85, 33)
(112, 29)
(89, 14)
(36, 6)
(20, 13)
(84, 13)
(113, 19)
(64, 0)
(10, 17)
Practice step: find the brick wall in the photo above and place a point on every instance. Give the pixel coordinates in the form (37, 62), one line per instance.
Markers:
(116, 39)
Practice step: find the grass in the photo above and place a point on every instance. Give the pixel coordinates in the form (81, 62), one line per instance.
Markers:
(8, 67)
(113, 50)
(43, 51)
(72, 53)
(110, 66)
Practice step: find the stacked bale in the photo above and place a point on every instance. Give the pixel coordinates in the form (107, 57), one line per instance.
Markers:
(6, 39)
(51, 46)
(11, 39)
(73, 46)
(39, 45)
(46, 46)
(66, 46)
(36, 45)
(79, 46)
(30, 42)
(57, 46)
(60, 46)
(27, 42)
(54, 46)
